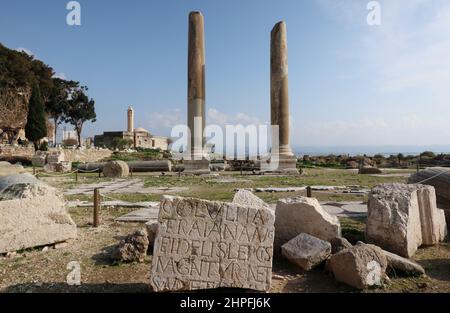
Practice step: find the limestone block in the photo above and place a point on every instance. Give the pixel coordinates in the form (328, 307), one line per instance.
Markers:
(39, 159)
(31, 214)
(306, 251)
(360, 266)
(303, 215)
(247, 198)
(206, 244)
(403, 217)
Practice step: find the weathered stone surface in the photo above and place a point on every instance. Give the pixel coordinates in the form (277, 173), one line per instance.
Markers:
(7, 169)
(247, 198)
(204, 244)
(338, 244)
(152, 229)
(369, 170)
(56, 157)
(133, 248)
(61, 167)
(303, 215)
(405, 266)
(439, 178)
(39, 159)
(360, 266)
(282, 157)
(400, 216)
(31, 214)
(116, 169)
(196, 164)
(22, 186)
(306, 251)
(432, 219)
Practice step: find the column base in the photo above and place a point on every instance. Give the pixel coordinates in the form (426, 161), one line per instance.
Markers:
(196, 167)
(283, 164)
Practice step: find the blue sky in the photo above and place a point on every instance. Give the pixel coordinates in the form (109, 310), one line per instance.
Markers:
(350, 83)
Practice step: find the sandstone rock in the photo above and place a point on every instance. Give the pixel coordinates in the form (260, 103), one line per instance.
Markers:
(116, 169)
(31, 214)
(206, 244)
(39, 159)
(400, 216)
(360, 266)
(152, 229)
(247, 198)
(369, 170)
(398, 263)
(133, 248)
(338, 244)
(306, 251)
(303, 215)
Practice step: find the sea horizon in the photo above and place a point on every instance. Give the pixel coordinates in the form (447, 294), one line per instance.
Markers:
(385, 150)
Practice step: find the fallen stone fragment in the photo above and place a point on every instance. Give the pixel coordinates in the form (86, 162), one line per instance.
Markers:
(233, 244)
(152, 229)
(306, 251)
(116, 169)
(338, 244)
(32, 214)
(39, 159)
(405, 266)
(133, 248)
(7, 168)
(360, 266)
(303, 215)
(247, 198)
(439, 178)
(403, 217)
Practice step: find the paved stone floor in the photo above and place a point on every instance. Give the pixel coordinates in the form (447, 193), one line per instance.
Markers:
(122, 186)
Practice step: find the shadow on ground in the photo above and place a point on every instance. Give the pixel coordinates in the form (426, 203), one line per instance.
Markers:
(84, 288)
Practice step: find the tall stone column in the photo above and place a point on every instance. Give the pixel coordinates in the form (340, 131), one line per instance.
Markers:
(279, 100)
(196, 95)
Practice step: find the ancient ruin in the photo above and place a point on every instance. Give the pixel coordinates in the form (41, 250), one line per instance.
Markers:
(281, 155)
(204, 244)
(196, 162)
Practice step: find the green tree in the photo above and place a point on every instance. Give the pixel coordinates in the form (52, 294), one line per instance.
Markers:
(80, 109)
(36, 127)
(57, 104)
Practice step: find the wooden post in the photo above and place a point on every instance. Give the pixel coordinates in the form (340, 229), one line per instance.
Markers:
(131, 171)
(418, 167)
(309, 192)
(34, 170)
(99, 173)
(96, 207)
(76, 175)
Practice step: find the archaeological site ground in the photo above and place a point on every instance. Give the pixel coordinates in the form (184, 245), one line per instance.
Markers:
(211, 149)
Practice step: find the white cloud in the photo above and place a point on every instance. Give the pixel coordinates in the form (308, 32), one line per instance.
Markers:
(60, 75)
(214, 116)
(164, 120)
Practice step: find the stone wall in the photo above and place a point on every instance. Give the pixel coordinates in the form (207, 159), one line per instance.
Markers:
(71, 155)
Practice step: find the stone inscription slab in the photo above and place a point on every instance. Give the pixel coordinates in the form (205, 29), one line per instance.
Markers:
(204, 244)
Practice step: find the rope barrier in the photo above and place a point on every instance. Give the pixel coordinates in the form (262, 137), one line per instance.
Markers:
(50, 175)
(89, 171)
